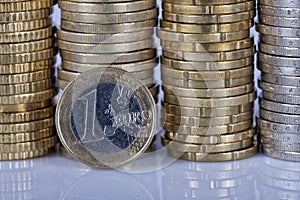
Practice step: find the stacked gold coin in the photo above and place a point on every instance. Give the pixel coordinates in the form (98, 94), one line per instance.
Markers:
(279, 61)
(207, 74)
(26, 79)
(115, 34)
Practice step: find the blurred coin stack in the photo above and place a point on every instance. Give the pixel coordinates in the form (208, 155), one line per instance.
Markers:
(227, 180)
(26, 179)
(27, 53)
(279, 61)
(207, 75)
(278, 179)
(118, 34)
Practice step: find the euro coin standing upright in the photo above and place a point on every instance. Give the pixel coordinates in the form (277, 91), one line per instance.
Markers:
(207, 75)
(27, 50)
(279, 61)
(117, 34)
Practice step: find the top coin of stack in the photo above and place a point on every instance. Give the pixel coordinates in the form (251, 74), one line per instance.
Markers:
(26, 79)
(207, 74)
(279, 61)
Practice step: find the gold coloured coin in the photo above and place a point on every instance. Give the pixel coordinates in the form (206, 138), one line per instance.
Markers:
(207, 148)
(205, 2)
(209, 84)
(27, 98)
(208, 56)
(69, 75)
(103, 7)
(7, 118)
(208, 47)
(207, 112)
(216, 157)
(24, 88)
(62, 84)
(207, 75)
(27, 36)
(106, 48)
(13, 108)
(202, 38)
(25, 155)
(26, 47)
(209, 93)
(207, 131)
(25, 6)
(107, 28)
(26, 137)
(20, 68)
(208, 9)
(27, 126)
(192, 139)
(212, 102)
(209, 19)
(109, 58)
(26, 77)
(112, 18)
(206, 28)
(129, 67)
(25, 16)
(29, 146)
(209, 121)
(25, 25)
(207, 66)
(115, 38)
(28, 57)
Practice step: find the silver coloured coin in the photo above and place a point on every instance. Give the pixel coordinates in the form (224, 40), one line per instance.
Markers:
(278, 127)
(280, 107)
(279, 89)
(279, 11)
(279, 70)
(108, 120)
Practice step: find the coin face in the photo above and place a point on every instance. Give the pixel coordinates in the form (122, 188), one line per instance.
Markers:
(106, 118)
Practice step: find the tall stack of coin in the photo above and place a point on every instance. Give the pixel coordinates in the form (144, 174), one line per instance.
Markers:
(279, 61)
(207, 74)
(26, 79)
(113, 34)
(118, 34)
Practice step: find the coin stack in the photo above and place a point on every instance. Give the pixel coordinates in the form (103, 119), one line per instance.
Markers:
(118, 34)
(207, 75)
(27, 53)
(279, 61)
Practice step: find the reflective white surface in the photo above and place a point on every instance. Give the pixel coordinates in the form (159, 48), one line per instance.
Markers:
(55, 177)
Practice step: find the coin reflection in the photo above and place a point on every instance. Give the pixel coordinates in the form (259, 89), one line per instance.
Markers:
(279, 179)
(36, 179)
(107, 185)
(229, 180)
